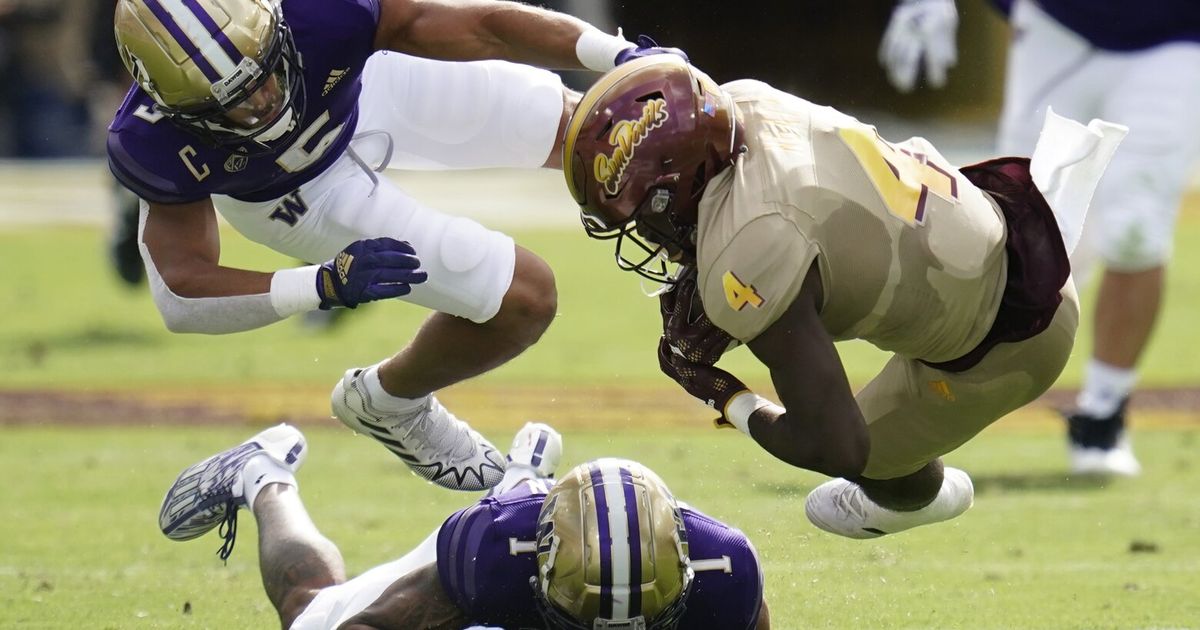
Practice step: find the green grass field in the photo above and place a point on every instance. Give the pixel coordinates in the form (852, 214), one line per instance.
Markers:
(80, 546)
(1038, 550)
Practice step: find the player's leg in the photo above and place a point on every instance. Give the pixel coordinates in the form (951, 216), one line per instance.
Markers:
(493, 299)
(296, 561)
(1158, 97)
(1048, 65)
(916, 414)
(123, 236)
(451, 115)
(444, 115)
(533, 458)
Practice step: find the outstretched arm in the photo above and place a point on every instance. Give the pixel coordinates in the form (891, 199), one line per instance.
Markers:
(480, 29)
(820, 427)
(194, 293)
(416, 600)
(468, 30)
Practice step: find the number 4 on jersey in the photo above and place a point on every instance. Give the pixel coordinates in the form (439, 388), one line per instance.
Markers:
(739, 294)
(903, 178)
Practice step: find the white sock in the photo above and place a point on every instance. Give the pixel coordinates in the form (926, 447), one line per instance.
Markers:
(384, 401)
(514, 476)
(1104, 387)
(261, 471)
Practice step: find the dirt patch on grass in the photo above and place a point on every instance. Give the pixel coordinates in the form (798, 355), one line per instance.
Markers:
(485, 406)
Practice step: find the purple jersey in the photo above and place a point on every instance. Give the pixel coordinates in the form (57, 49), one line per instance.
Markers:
(1123, 25)
(163, 163)
(487, 556)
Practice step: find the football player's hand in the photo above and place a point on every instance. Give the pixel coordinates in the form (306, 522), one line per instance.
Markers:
(686, 327)
(710, 384)
(644, 47)
(368, 270)
(920, 30)
(691, 344)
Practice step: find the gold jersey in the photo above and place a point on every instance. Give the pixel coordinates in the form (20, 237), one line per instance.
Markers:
(911, 254)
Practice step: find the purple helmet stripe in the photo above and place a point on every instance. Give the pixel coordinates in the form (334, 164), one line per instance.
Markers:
(181, 38)
(219, 35)
(605, 536)
(538, 450)
(635, 543)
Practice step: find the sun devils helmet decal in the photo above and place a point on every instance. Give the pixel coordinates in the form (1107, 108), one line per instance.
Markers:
(639, 149)
(625, 138)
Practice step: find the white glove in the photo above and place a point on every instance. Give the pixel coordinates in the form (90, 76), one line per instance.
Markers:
(920, 29)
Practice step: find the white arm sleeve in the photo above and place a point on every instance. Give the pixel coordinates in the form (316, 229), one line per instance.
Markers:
(215, 315)
(221, 315)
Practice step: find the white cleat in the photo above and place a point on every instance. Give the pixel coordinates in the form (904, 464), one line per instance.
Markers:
(841, 507)
(209, 493)
(430, 440)
(537, 446)
(1119, 460)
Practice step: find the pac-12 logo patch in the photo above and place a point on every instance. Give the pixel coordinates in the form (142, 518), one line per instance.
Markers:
(236, 163)
(739, 294)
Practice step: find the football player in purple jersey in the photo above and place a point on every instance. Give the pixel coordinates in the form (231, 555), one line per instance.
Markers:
(1134, 63)
(277, 115)
(606, 546)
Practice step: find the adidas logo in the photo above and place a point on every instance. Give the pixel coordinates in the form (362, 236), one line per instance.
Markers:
(332, 80)
(342, 263)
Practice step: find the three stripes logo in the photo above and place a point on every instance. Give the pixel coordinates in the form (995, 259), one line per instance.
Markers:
(332, 80)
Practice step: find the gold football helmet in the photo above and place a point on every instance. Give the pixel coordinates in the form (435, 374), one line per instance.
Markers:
(612, 550)
(226, 70)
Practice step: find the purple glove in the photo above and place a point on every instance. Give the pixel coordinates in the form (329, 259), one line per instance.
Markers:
(644, 48)
(368, 270)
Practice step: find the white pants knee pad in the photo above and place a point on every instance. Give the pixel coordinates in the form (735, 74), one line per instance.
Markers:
(1134, 240)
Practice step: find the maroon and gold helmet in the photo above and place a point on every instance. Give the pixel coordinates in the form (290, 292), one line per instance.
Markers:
(639, 149)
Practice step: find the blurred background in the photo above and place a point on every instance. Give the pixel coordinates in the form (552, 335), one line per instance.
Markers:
(63, 78)
(100, 405)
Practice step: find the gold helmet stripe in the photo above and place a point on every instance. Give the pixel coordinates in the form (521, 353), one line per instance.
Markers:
(189, 24)
(588, 102)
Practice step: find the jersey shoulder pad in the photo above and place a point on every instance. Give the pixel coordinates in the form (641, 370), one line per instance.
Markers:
(149, 155)
(748, 278)
(486, 556)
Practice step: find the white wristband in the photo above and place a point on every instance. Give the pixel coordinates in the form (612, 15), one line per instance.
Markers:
(294, 291)
(740, 408)
(598, 50)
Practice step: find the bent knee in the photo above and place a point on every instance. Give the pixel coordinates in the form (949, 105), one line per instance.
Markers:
(531, 301)
(1135, 235)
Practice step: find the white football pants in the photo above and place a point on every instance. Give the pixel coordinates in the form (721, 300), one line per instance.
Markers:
(439, 115)
(1155, 92)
